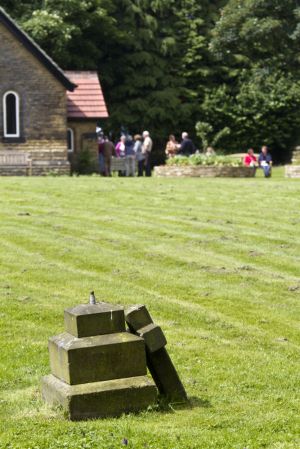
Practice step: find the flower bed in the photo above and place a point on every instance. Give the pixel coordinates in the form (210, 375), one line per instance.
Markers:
(201, 159)
(205, 167)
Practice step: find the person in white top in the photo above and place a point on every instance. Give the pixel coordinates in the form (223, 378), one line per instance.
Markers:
(146, 150)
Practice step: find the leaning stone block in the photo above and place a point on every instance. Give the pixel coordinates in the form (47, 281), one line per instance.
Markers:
(93, 359)
(165, 375)
(158, 360)
(86, 320)
(153, 336)
(140, 323)
(137, 317)
(100, 399)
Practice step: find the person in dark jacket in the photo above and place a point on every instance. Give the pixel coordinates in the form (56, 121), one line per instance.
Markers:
(100, 155)
(129, 156)
(140, 157)
(265, 161)
(108, 149)
(187, 146)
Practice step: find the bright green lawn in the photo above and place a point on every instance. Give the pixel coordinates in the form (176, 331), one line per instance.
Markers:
(217, 263)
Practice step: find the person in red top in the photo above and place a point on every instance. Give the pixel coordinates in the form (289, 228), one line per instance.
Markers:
(250, 160)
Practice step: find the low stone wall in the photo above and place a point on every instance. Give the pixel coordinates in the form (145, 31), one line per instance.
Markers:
(292, 171)
(204, 171)
(13, 171)
(43, 168)
(39, 168)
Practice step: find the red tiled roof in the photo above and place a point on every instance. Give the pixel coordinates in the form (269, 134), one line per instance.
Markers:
(87, 100)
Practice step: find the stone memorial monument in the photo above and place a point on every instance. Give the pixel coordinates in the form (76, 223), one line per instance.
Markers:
(98, 369)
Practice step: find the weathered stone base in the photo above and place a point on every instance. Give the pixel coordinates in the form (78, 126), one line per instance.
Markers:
(292, 171)
(100, 399)
(98, 358)
(201, 171)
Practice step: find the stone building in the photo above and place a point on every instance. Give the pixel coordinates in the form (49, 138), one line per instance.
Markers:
(41, 114)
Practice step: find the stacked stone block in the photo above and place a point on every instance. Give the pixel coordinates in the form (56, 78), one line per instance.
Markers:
(98, 369)
(296, 156)
(158, 360)
(293, 171)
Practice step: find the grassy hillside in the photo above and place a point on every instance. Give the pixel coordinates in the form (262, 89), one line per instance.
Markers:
(217, 263)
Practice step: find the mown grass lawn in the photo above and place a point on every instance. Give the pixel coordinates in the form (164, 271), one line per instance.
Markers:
(217, 263)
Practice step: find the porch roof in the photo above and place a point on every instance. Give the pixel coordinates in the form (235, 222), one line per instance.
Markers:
(87, 100)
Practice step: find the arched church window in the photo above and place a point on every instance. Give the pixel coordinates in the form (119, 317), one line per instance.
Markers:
(11, 114)
(70, 140)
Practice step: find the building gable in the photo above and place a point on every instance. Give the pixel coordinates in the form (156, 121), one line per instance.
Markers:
(35, 50)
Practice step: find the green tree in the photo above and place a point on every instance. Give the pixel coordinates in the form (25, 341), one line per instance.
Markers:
(72, 31)
(261, 32)
(198, 68)
(152, 55)
(258, 95)
(141, 70)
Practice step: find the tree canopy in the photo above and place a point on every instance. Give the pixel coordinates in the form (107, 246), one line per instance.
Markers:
(167, 65)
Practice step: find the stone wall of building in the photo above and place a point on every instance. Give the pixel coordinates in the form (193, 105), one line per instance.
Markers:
(201, 171)
(85, 155)
(43, 123)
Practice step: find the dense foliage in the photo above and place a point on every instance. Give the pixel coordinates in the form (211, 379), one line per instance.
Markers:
(231, 66)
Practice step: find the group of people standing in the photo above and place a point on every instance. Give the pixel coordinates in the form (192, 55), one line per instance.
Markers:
(263, 161)
(134, 151)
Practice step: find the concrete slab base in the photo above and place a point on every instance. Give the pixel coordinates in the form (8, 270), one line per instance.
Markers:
(100, 399)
